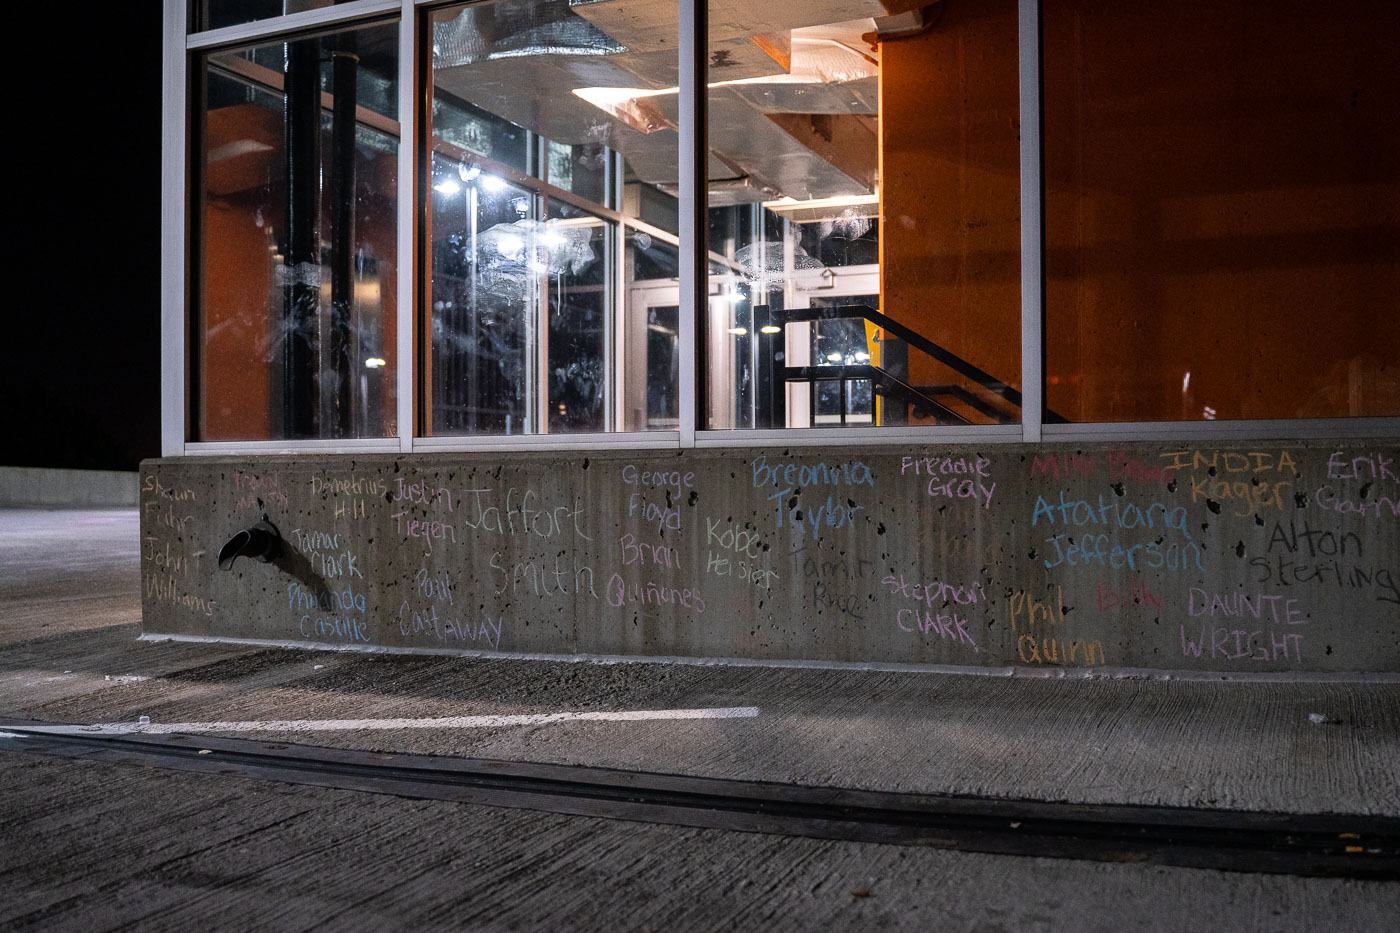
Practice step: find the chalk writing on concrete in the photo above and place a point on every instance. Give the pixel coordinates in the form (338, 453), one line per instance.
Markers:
(1028, 610)
(519, 513)
(621, 593)
(787, 479)
(1283, 563)
(483, 633)
(829, 580)
(954, 477)
(436, 586)
(255, 491)
(1111, 597)
(1059, 651)
(152, 484)
(1332, 500)
(1122, 468)
(164, 556)
(1374, 466)
(333, 628)
(349, 493)
(300, 598)
(1230, 644)
(929, 592)
(1092, 549)
(555, 575)
(1279, 608)
(425, 530)
(421, 493)
(733, 551)
(162, 587)
(641, 552)
(658, 479)
(951, 625)
(1218, 462)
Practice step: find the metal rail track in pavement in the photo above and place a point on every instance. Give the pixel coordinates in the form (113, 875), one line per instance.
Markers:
(1231, 840)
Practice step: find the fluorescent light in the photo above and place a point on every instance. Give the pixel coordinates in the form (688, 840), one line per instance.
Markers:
(770, 329)
(738, 331)
(448, 187)
(834, 357)
(375, 362)
(850, 200)
(492, 183)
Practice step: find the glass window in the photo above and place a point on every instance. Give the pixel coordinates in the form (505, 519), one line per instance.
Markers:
(1222, 210)
(864, 208)
(551, 235)
(295, 232)
(216, 14)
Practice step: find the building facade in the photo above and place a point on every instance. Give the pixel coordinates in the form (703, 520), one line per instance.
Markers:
(1051, 335)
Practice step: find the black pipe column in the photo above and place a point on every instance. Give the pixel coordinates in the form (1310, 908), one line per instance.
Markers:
(345, 66)
(303, 288)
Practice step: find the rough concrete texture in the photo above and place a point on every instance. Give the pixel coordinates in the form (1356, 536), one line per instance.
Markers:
(44, 487)
(1246, 745)
(107, 847)
(92, 846)
(1258, 558)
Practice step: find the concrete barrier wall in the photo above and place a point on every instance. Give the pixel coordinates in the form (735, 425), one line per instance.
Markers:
(28, 487)
(1268, 557)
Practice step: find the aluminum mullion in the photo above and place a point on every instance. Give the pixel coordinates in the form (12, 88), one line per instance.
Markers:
(860, 437)
(1224, 431)
(258, 29)
(406, 262)
(632, 440)
(174, 397)
(339, 445)
(693, 29)
(1032, 223)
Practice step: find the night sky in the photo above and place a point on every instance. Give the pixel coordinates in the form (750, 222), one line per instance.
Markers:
(81, 379)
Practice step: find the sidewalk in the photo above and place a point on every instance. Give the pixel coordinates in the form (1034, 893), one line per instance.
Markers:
(69, 611)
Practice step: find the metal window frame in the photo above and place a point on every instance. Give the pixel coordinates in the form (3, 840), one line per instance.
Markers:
(176, 328)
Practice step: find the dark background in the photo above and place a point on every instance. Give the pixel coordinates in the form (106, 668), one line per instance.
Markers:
(80, 378)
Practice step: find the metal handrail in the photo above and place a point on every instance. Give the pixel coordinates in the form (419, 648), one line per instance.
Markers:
(913, 338)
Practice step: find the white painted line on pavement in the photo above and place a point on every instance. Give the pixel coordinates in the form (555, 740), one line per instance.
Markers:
(344, 725)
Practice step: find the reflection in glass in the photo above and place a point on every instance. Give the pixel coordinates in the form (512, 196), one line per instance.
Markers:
(864, 200)
(1222, 211)
(296, 237)
(216, 14)
(552, 246)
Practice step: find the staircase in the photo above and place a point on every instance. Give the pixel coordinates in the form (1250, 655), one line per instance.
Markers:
(968, 395)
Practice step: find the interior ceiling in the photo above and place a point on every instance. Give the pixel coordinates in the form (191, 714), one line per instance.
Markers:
(522, 59)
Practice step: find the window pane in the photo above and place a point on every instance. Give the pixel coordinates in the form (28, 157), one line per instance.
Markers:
(864, 215)
(552, 220)
(296, 237)
(1222, 210)
(216, 14)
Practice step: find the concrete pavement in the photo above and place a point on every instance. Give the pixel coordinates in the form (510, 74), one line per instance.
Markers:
(242, 851)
